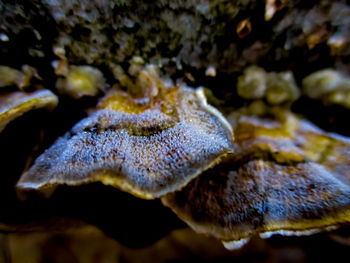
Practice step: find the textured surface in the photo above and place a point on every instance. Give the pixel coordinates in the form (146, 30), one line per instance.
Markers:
(291, 141)
(184, 37)
(295, 181)
(146, 148)
(201, 33)
(299, 35)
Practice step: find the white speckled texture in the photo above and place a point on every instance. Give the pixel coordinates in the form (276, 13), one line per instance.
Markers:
(147, 154)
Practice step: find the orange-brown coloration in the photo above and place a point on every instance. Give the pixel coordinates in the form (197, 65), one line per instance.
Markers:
(316, 38)
(122, 102)
(244, 28)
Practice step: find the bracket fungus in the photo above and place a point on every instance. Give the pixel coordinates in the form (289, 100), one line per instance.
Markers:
(290, 179)
(146, 145)
(14, 104)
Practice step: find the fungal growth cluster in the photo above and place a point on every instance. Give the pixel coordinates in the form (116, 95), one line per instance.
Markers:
(154, 139)
(285, 177)
(148, 145)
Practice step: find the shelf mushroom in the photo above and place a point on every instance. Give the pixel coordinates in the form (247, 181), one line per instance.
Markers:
(15, 104)
(289, 178)
(148, 144)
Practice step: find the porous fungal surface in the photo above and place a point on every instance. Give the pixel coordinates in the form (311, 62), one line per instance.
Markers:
(147, 146)
(245, 167)
(289, 179)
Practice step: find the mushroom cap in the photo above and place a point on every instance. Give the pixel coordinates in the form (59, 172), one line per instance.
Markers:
(275, 183)
(146, 146)
(15, 104)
